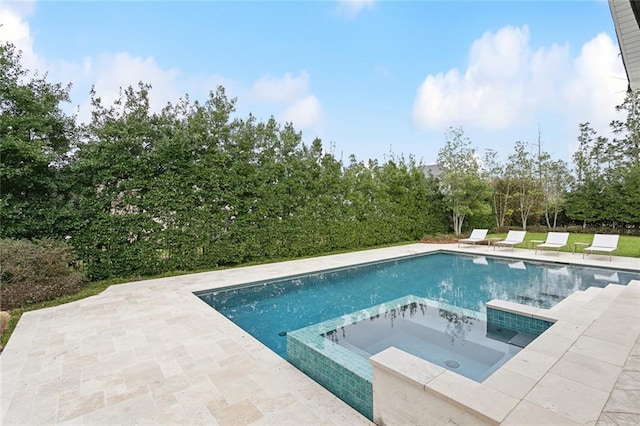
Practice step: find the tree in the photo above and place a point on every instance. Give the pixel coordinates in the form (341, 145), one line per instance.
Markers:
(35, 139)
(624, 149)
(555, 181)
(465, 191)
(584, 200)
(585, 166)
(522, 169)
(607, 171)
(624, 159)
(501, 185)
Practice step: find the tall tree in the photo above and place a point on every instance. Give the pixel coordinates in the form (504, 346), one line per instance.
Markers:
(465, 191)
(584, 201)
(624, 170)
(35, 139)
(607, 171)
(555, 182)
(522, 169)
(624, 148)
(501, 185)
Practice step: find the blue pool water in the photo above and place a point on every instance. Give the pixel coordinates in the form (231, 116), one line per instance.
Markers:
(269, 310)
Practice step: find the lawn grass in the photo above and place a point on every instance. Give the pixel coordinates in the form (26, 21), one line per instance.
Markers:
(628, 246)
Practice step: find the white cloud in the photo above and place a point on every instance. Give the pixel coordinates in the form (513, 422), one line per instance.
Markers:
(599, 81)
(305, 113)
(15, 30)
(507, 83)
(281, 90)
(291, 94)
(107, 72)
(351, 8)
(110, 72)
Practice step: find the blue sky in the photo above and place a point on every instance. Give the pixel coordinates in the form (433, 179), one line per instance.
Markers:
(367, 77)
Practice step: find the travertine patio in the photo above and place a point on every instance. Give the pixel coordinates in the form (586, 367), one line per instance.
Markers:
(152, 352)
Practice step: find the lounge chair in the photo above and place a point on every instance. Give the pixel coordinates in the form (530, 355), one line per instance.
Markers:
(603, 243)
(477, 235)
(513, 238)
(555, 241)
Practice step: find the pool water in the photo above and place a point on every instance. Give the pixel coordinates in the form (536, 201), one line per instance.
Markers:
(452, 338)
(268, 310)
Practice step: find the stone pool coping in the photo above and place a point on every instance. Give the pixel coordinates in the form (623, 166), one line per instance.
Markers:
(565, 376)
(152, 352)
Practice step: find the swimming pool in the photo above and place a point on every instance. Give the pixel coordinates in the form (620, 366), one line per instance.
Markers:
(452, 338)
(268, 310)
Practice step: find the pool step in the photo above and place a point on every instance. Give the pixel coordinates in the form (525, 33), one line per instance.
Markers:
(521, 340)
(591, 344)
(586, 306)
(580, 296)
(592, 291)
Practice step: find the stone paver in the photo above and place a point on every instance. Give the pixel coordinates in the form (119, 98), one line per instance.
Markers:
(152, 352)
(623, 406)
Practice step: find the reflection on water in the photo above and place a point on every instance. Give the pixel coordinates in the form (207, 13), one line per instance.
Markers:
(607, 277)
(444, 335)
(266, 309)
(458, 325)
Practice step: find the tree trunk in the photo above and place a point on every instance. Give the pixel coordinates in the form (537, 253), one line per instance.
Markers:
(523, 215)
(457, 223)
(547, 218)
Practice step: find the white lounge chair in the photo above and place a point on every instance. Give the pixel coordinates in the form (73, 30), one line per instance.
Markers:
(513, 238)
(603, 243)
(555, 241)
(477, 235)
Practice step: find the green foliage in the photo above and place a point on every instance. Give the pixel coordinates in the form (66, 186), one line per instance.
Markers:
(606, 190)
(35, 137)
(522, 170)
(624, 149)
(194, 187)
(555, 178)
(502, 186)
(36, 271)
(465, 191)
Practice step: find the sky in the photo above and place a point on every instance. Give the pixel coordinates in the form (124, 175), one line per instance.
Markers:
(372, 78)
